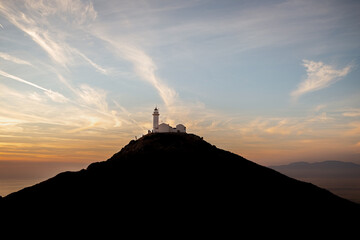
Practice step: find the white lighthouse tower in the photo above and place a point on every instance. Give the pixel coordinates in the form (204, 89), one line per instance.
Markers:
(156, 120)
(164, 127)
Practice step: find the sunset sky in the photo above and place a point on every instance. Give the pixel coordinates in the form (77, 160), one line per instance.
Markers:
(273, 81)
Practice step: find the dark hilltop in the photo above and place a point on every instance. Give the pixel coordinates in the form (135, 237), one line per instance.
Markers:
(176, 176)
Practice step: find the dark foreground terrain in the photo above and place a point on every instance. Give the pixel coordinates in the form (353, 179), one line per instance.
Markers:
(181, 180)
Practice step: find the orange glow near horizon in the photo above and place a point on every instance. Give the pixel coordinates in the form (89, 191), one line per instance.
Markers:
(78, 150)
(252, 140)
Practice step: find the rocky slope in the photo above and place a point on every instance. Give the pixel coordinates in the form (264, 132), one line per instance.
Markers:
(181, 176)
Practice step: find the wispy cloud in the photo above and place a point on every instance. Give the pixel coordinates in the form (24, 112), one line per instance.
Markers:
(13, 59)
(145, 68)
(352, 113)
(55, 96)
(91, 97)
(95, 100)
(143, 65)
(76, 116)
(36, 22)
(73, 10)
(59, 53)
(95, 65)
(319, 76)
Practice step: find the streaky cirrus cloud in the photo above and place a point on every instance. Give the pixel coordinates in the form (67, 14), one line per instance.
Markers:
(33, 19)
(319, 76)
(92, 97)
(36, 22)
(79, 11)
(55, 96)
(143, 65)
(42, 37)
(145, 68)
(352, 113)
(13, 59)
(92, 63)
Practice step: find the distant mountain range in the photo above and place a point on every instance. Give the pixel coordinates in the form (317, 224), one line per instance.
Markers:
(176, 179)
(336, 168)
(341, 178)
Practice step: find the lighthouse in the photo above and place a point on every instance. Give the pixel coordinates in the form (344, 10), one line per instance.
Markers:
(164, 127)
(156, 120)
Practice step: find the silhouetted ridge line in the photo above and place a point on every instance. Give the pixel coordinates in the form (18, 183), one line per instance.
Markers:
(182, 176)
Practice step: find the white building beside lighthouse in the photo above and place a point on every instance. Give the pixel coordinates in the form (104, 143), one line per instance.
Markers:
(164, 127)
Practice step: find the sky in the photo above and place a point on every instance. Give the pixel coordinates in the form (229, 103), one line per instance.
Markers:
(272, 81)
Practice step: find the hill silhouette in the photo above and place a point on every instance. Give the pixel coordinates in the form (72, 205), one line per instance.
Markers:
(341, 178)
(175, 176)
